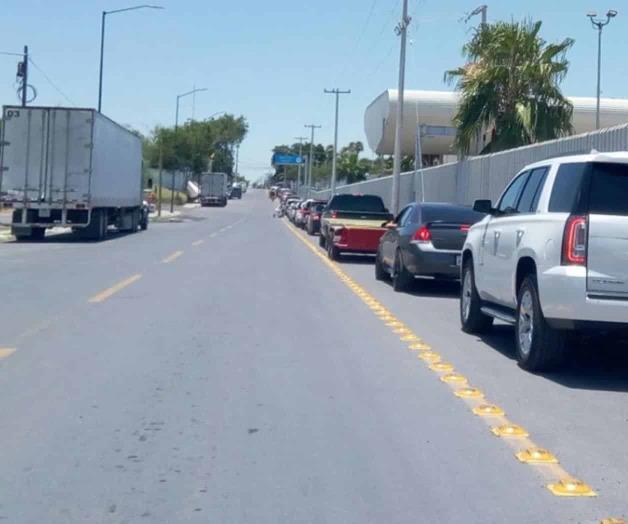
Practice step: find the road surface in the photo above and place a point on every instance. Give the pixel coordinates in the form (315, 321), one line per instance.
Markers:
(218, 370)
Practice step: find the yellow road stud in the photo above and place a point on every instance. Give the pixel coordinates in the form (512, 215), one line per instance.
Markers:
(488, 410)
(410, 337)
(614, 520)
(430, 356)
(509, 431)
(454, 378)
(395, 324)
(420, 346)
(445, 367)
(571, 488)
(469, 393)
(536, 456)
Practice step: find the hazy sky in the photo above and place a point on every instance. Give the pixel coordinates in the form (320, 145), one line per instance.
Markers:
(271, 59)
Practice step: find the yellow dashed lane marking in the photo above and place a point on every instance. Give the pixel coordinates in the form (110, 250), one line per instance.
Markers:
(104, 295)
(559, 482)
(6, 352)
(172, 257)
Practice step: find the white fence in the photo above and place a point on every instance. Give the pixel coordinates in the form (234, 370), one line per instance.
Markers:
(485, 176)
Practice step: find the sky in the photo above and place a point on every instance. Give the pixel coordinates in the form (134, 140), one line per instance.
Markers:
(271, 60)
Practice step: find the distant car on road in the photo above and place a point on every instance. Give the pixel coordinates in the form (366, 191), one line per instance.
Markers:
(424, 240)
(236, 191)
(551, 257)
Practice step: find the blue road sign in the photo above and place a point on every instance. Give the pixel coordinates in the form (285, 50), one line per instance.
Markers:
(281, 159)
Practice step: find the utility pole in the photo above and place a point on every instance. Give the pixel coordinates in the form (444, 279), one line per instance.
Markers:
(400, 30)
(237, 158)
(25, 76)
(483, 9)
(299, 177)
(310, 160)
(161, 167)
(336, 92)
(599, 25)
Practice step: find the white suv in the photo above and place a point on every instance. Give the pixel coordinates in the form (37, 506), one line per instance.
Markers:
(552, 256)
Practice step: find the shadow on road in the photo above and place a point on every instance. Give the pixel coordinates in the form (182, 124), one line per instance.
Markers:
(595, 363)
(72, 238)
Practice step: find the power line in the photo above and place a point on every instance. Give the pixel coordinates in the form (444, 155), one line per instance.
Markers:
(358, 40)
(54, 86)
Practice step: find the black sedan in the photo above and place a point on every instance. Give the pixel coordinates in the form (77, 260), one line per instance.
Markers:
(424, 240)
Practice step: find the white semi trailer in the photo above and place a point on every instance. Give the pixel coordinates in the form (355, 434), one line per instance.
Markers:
(67, 167)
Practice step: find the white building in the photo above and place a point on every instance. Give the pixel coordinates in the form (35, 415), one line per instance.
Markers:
(435, 111)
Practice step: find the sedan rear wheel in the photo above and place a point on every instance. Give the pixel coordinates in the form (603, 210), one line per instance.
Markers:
(401, 278)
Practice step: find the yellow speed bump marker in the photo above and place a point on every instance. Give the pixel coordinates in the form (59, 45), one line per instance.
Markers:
(509, 431)
(571, 488)
(454, 378)
(488, 410)
(6, 352)
(536, 456)
(410, 337)
(430, 356)
(420, 346)
(469, 393)
(442, 366)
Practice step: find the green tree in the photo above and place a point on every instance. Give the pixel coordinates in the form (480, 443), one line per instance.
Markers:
(190, 147)
(510, 87)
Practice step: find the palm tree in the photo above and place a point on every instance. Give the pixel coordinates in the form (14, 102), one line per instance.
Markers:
(509, 87)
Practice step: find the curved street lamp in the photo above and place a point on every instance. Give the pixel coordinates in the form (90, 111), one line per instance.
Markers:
(102, 40)
(599, 23)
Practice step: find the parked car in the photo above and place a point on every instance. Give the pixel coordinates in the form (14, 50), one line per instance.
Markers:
(353, 223)
(289, 206)
(313, 219)
(424, 240)
(552, 256)
(303, 211)
(236, 191)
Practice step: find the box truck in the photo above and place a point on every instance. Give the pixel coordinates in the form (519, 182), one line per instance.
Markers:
(214, 189)
(67, 167)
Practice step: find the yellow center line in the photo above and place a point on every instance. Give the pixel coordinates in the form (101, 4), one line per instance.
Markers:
(104, 295)
(561, 483)
(197, 242)
(172, 257)
(6, 352)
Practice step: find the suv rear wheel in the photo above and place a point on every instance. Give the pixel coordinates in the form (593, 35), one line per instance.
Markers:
(539, 346)
(471, 316)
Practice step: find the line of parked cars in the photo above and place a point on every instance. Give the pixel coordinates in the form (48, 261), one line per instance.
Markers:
(550, 257)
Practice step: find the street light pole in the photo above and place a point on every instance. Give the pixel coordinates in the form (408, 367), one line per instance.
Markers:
(336, 92)
(310, 160)
(401, 30)
(176, 128)
(599, 24)
(102, 41)
(300, 167)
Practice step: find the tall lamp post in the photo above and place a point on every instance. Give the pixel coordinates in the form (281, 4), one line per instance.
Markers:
(176, 128)
(599, 23)
(102, 41)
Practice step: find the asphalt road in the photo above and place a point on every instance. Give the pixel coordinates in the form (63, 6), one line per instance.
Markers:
(216, 370)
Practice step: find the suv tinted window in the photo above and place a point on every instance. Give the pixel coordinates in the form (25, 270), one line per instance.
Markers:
(508, 202)
(567, 188)
(609, 189)
(531, 193)
(368, 203)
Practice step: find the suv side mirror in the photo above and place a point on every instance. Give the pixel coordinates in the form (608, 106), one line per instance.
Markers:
(483, 206)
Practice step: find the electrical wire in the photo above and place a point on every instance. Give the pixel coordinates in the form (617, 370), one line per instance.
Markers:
(54, 86)
(358, 40)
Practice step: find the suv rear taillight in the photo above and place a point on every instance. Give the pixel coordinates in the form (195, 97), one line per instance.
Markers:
(575, 241)
(422, 235)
